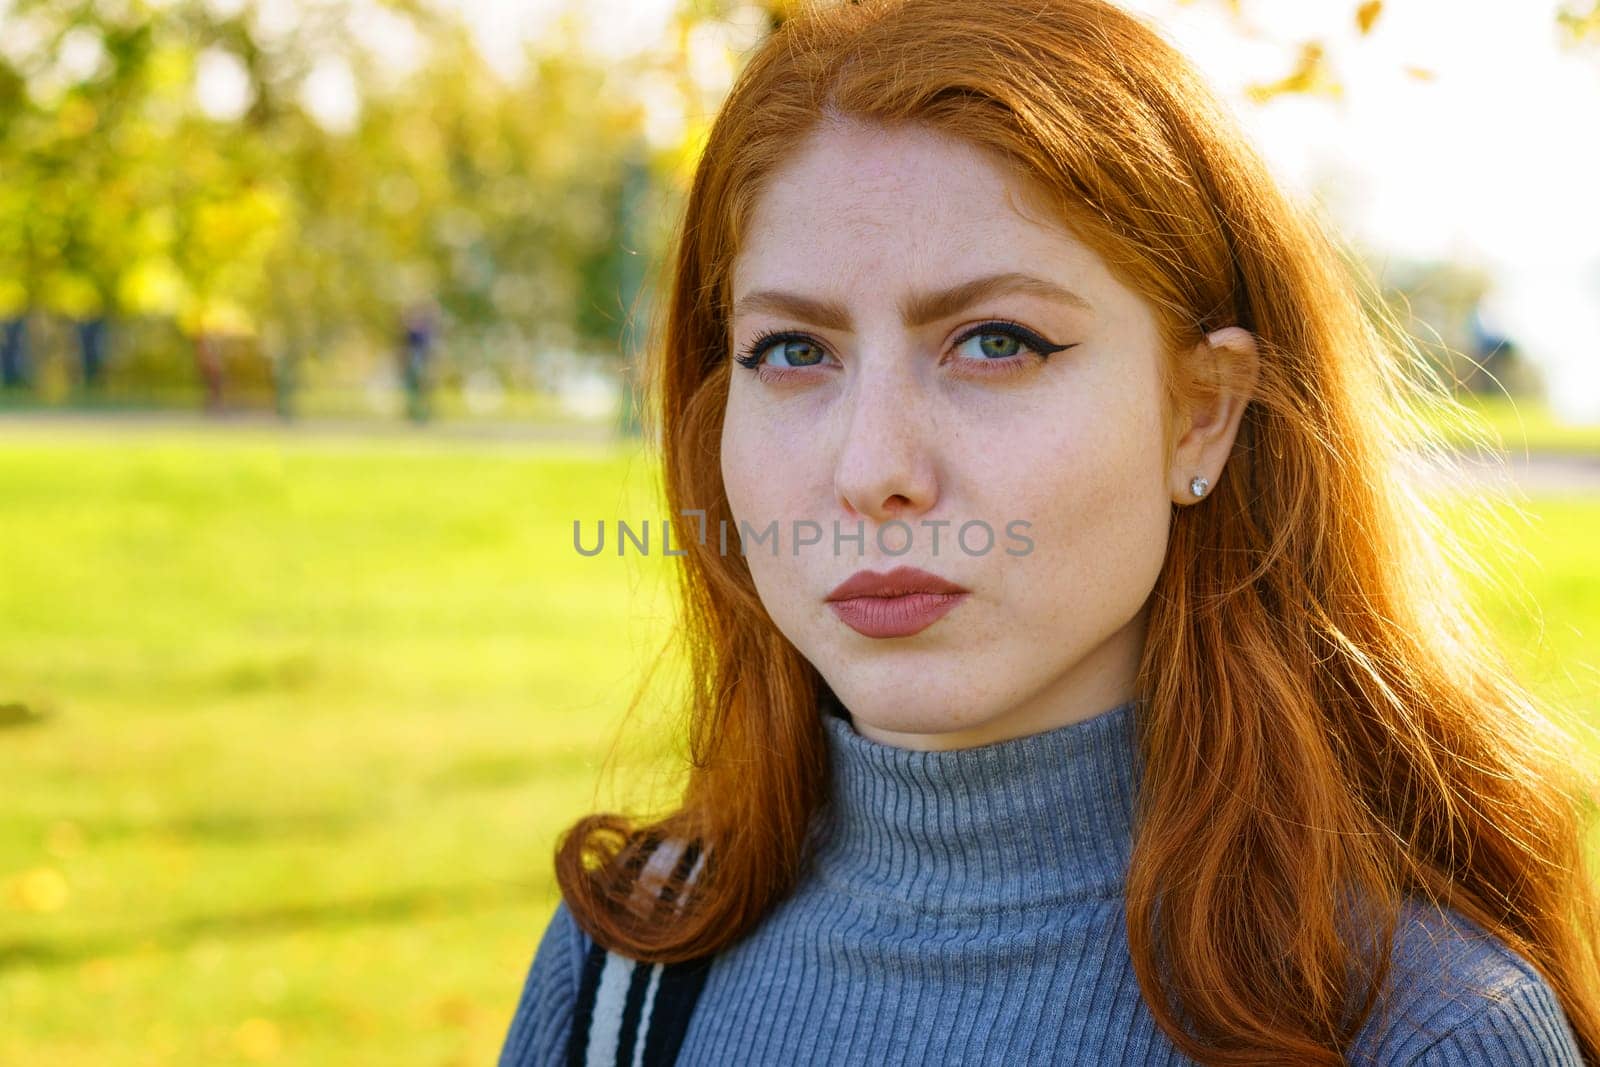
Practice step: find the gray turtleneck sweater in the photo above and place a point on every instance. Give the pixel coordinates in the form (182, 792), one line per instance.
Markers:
(965, 906)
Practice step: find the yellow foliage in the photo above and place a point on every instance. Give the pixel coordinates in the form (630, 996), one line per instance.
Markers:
(1312, 74)
(215, 315)
(71, 294)
(76, 117)
(13, 297)
(152, 286)
(1367, 14)
(1578, 24)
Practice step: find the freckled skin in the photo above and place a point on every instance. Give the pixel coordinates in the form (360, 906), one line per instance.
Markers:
(892, 425)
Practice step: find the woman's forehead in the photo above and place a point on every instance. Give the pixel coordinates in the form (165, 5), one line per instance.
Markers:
(897, 198)
(846, 184)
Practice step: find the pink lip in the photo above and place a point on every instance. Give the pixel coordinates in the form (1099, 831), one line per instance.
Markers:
(899, 603)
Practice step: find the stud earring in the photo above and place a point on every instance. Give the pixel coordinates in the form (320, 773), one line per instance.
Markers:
(1199, 485)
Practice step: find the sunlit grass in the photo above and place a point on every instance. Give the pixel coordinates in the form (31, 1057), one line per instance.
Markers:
(288, 727)
(1520, 426)
(294, 728)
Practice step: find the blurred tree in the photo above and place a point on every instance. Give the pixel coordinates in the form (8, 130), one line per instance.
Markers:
(289, 184)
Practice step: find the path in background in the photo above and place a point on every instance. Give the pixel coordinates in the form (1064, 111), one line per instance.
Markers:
(259, 422)
(1538, 472)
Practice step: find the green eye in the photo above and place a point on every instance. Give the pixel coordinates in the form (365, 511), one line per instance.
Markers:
(805, 354)
(1002, 340)
(995, 345)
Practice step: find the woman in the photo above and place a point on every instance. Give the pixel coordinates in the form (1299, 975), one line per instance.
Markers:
(1074, 678)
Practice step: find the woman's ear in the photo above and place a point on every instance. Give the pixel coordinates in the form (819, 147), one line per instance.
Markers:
(1230, 364)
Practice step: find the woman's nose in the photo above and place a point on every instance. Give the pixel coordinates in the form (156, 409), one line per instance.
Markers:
(885, 467)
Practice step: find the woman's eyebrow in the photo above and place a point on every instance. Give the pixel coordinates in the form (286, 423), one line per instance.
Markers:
(919, 310)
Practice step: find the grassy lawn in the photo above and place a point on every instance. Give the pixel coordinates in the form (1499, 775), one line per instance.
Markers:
(1527, 425)
(288, 727)
(312, 714)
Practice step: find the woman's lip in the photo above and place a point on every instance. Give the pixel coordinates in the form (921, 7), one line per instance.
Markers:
(894, 616)
(901, 581)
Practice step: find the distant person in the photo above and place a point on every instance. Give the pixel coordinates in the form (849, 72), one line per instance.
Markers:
(14, 370)
(1492, 351)
(92, 345)
(419, 327)
(208, 361)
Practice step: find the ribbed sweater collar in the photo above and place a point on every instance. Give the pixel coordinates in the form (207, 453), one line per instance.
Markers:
(1032, 820)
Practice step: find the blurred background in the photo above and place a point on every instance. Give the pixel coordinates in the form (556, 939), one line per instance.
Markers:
(318, 323)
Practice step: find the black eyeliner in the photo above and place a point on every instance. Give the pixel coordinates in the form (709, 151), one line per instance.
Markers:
(1015, 330)
(751, 357)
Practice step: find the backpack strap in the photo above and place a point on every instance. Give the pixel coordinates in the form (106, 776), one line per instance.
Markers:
(631, 1013)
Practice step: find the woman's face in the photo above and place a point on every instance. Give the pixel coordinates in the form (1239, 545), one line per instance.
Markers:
(857, 414)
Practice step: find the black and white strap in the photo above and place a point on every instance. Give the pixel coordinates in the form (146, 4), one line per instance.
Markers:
(631, 1013)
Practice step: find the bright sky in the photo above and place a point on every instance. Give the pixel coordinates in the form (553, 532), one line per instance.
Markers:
(1494, 161)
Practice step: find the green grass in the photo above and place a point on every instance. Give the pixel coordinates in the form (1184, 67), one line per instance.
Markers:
(312, 713)
(1528, 425)
(1546, 607)
(293, 723)
(347, 402)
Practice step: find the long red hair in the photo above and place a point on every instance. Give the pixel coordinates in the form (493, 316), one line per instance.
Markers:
(1328, 730)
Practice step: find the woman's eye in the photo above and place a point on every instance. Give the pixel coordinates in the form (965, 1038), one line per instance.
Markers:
(999, 342)
(795, 353)
(991, 344)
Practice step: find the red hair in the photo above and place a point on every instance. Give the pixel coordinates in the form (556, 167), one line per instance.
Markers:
(1307, 633)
